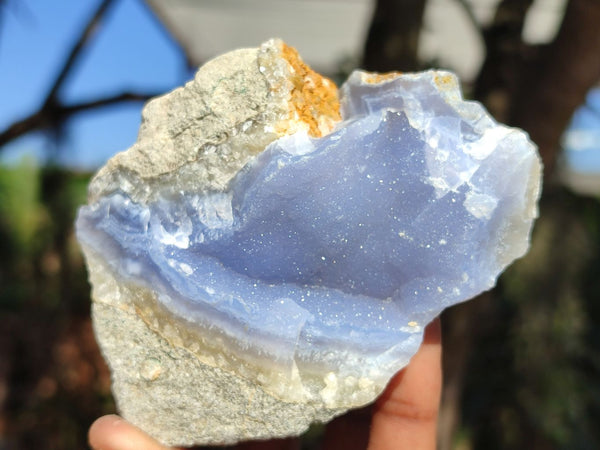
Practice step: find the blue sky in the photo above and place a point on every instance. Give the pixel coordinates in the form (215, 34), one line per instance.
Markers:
(582, 140)
(130, 51)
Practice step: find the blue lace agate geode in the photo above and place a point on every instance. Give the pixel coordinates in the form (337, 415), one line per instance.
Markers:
(314, 271)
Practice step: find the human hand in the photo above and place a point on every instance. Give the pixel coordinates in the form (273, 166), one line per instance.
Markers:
(403, 417)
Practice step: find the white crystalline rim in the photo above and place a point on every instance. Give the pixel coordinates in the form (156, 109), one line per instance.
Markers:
(330, 391)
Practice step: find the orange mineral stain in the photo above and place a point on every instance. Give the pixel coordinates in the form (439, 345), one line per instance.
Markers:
(375, 78)
(445, 82)
(314, 99)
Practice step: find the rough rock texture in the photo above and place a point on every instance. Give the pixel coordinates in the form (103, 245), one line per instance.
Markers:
(167, 391)
(192, 137)
(265, 257)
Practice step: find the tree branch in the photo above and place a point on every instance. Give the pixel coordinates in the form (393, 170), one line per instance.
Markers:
(87, 32)
(52, 114)
(99, 103)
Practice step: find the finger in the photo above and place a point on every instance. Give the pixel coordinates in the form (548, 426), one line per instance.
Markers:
(272, 444)
(405, 415)
(349, 431)
(114, 433)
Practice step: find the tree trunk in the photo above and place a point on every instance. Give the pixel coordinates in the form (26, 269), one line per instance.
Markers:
(393, 38)
(499, 74)
(558, 84)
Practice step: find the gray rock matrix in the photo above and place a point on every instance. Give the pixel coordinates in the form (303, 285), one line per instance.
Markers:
(203, 350)
(189, 138)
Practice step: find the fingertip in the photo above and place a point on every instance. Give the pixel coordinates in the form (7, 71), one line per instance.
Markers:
(405, 415)
(112, 432)
(433, 333)
(99, 429)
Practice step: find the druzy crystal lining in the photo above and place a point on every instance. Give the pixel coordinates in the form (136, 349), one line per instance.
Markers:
(324, 258)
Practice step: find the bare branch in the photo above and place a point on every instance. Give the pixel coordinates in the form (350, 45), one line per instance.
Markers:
(52, 114)
(79, 44)
(123, 97)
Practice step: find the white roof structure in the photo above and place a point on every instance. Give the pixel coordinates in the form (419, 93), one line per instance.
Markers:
(327, 32)
(323, 31)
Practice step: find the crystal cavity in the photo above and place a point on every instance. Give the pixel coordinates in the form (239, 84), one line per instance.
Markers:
(270, 250)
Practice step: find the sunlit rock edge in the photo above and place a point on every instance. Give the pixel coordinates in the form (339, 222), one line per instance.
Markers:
(298, 398)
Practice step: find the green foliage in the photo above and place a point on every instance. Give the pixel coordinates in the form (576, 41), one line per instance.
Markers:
(532, 381)
(57, 381)
(20, 211)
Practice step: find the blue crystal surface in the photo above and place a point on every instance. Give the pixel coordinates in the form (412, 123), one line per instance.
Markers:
(331, 252)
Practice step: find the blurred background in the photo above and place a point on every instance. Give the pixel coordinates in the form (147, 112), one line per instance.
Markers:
(522, 363)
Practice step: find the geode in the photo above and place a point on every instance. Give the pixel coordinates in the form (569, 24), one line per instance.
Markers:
(268, 254)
